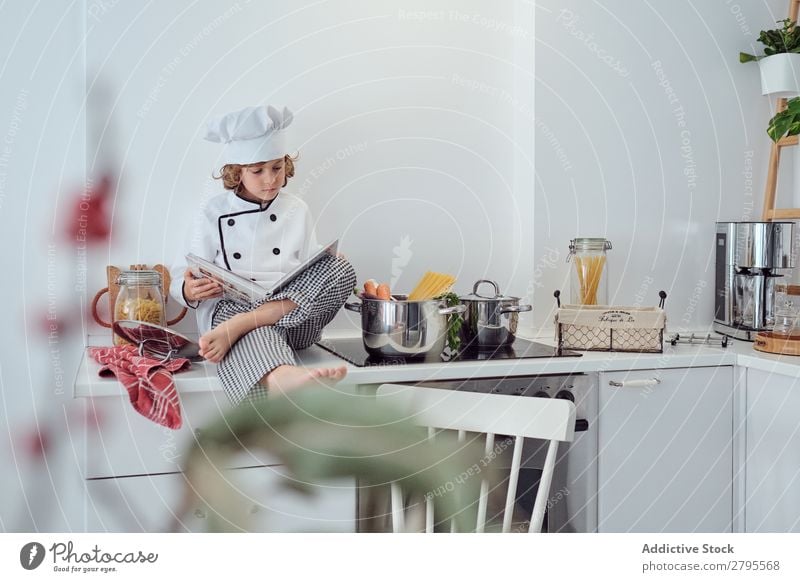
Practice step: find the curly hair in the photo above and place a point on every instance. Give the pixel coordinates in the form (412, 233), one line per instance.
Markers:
(231, 174)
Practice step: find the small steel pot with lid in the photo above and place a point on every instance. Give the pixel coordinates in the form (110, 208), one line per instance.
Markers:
(489, 321)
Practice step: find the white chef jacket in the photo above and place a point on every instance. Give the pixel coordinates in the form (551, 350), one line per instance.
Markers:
(260, 241)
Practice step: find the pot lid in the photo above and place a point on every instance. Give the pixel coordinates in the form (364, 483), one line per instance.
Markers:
(495, 295)
(157, 341)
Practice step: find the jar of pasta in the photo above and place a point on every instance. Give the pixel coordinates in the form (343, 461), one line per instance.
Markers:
(139, 299)
(588, 279)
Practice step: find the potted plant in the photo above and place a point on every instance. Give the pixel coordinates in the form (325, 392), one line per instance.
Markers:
(780, 64)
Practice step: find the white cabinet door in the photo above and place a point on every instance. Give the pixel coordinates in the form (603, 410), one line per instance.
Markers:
(156, 503)
(772, 479)
(665, 457)
(123, 443)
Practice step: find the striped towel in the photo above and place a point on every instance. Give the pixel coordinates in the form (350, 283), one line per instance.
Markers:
(148, 381)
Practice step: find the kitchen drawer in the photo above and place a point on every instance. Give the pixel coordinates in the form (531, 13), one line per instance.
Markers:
(155, 504)
(125, 443)
(665, 456)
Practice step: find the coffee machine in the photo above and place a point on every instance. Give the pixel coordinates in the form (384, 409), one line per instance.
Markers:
(751, 257)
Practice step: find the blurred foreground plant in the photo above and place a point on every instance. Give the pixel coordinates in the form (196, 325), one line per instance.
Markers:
(322, 433)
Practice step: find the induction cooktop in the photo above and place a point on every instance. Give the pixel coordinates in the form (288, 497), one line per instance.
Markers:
(352, 350)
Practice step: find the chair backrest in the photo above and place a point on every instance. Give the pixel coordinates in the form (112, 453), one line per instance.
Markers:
(552, 420)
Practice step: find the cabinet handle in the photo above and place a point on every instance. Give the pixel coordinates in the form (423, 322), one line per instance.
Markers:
(634, 383)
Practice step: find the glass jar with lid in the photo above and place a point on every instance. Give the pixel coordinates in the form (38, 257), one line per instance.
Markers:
(787, 310)
(139, 299)
(588, 278)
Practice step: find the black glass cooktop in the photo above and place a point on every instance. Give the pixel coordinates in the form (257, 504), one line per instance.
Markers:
(352, 350)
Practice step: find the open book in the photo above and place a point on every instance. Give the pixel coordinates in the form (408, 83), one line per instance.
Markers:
(243, 290)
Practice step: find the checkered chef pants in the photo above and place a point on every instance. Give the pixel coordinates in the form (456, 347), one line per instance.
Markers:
(319, 292)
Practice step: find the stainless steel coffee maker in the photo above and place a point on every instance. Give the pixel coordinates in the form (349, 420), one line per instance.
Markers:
(751, 257)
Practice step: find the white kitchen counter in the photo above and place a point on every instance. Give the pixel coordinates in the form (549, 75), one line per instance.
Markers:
(203, 378)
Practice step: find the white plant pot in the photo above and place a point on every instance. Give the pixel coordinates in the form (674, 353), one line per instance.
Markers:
(780, 74)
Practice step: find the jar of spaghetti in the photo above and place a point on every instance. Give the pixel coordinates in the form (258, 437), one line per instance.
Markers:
(588, 279)
(139, 299)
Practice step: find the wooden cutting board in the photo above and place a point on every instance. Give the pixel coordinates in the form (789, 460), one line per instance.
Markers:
(788, 345)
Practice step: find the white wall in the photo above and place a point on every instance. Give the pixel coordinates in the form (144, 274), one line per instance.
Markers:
(41, 173)
(444, 107)
(415, 124)
(648, 130)
(399, 155)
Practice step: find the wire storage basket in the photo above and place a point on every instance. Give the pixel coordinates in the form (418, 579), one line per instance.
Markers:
(608, 328)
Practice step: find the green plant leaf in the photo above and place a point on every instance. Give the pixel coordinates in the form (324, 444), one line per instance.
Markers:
(746, 58)
(793, 106)
(778, 126)
(786, 122)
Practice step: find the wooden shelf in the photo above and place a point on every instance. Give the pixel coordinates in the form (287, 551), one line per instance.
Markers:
(770, 212)
(783, 214)
(788, 141)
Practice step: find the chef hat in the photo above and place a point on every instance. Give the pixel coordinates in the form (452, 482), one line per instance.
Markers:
(251, 135)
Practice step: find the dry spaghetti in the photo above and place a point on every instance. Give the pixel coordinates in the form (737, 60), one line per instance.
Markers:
(431, 285)
(590, 270)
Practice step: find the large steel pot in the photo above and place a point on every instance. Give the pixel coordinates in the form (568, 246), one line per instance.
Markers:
(402, 328)
(490, 321)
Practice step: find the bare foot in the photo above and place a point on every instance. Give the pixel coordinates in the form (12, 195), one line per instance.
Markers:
(217, 342)
(287, 378)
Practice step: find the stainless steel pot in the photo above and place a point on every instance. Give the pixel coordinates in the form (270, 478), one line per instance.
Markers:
(402, 328)
(489, 321)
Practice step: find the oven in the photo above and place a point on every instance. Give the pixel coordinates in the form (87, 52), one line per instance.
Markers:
(572, 505)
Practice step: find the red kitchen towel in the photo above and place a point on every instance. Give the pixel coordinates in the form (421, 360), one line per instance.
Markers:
(148, 381)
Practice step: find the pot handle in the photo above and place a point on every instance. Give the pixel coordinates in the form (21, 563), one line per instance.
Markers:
(451, 310)
(492, 283)
(516, 309)
(353, 307)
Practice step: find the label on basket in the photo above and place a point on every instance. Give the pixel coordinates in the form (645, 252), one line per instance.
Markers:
(615, 316)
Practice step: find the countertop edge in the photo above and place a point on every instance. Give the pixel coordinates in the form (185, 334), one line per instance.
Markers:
(202, 377)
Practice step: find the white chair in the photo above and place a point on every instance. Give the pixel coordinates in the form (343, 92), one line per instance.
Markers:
(552, 420)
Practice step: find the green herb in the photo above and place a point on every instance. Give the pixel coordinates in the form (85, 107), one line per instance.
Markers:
(783, 40)
(454, 321)
(786, 122)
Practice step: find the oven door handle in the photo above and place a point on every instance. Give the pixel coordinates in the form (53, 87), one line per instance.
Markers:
(635, 383)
